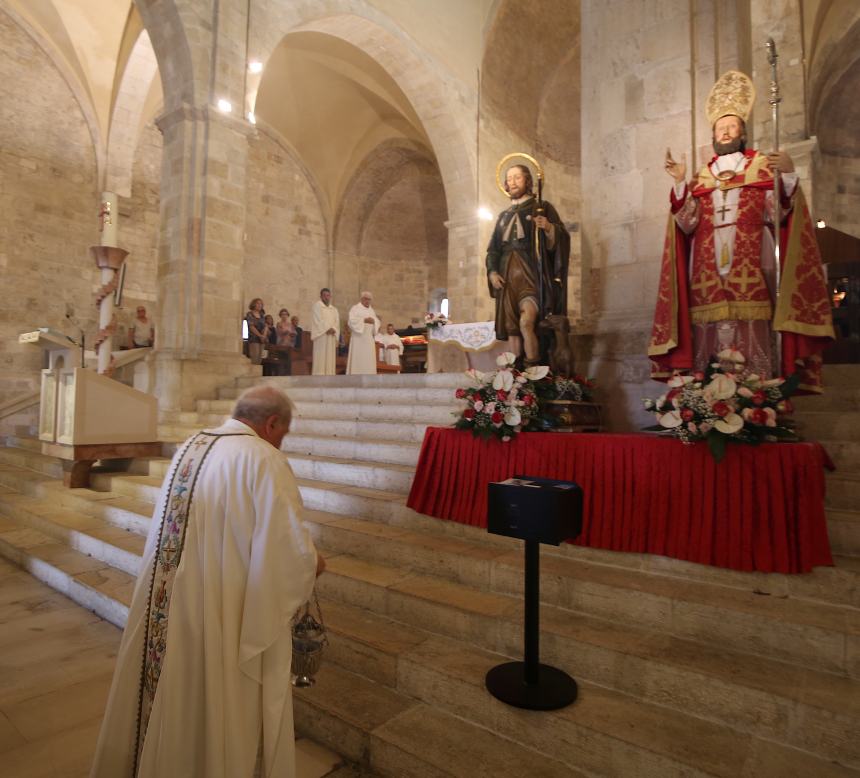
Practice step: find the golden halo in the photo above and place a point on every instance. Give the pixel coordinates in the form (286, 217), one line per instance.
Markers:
(507, 158)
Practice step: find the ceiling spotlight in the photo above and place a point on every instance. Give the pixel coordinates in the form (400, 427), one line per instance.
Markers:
(251, 117)
(225, 106)
(485, 214)
(820, 224)
(255, 66)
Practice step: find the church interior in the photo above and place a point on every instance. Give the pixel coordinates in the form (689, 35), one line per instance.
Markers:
(189, 156)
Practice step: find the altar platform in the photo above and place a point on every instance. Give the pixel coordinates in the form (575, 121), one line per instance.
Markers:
(455, 348)
(760, 509)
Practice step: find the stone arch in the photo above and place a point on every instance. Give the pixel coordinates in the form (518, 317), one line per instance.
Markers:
(398, 183)
(77, 89)
(166, 28)
(137, 78)
(834, 113)
(437, 98)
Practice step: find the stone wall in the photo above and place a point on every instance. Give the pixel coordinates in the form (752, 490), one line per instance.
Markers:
(138, 230)
(837, 192)
(286, 256)
(48, 201)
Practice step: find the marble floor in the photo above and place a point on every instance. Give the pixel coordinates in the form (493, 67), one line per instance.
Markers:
(56, 662)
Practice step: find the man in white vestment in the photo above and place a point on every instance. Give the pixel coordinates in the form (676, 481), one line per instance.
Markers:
(363, 328)
(392, 346)
(202, 680)
(325, 329)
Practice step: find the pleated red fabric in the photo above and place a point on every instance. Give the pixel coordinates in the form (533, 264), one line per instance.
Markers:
(761, 508)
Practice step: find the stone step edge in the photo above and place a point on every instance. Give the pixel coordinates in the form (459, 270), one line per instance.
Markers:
(574, 571)
(507, 609)
(388, 625)
(102, 604)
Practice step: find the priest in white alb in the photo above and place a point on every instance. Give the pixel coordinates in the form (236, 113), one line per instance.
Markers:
(363, 329)
(391, 346)
(325, 328)
(202, 680)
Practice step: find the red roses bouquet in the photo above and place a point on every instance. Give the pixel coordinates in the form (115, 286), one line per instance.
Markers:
(501, 403)
(727, 402)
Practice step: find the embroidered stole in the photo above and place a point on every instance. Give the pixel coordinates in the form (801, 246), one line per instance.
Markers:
(168, 553)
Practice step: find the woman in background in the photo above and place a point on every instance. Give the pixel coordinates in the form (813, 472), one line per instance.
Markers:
(256, 318)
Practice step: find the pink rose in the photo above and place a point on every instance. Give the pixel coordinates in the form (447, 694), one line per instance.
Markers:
(698, 376)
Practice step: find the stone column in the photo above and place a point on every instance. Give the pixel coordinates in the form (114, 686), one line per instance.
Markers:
(468, 299)
(201, 254)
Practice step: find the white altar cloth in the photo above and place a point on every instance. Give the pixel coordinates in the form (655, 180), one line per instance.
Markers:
(455, 348)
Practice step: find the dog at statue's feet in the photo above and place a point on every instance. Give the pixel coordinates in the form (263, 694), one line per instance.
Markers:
(560, 356)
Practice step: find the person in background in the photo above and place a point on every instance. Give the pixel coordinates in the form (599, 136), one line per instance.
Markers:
(299, 331)
(270, 338)
(364, 326)
(256, 324)
(392, 346)
(286, 332)
(141, 333)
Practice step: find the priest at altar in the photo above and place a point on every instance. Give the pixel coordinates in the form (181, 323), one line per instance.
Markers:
(718, 275)
(363, 328)
(325, 330)
(202, 679)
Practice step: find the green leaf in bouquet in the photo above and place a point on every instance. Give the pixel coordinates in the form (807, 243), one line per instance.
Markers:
(717, 445)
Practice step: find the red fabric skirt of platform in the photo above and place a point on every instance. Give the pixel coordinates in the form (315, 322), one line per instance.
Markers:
(761, 508)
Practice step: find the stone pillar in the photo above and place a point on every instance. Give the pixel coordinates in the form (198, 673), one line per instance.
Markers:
(109, 258)
(780, 20)
(468, 299)
(201, 254)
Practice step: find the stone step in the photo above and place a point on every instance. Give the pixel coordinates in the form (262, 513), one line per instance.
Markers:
(87, 581)
(828, 424)
(842, 490)
(401, 738)
(762, 696)
(381, 381)
(351, 472)
(366, 431)
(836, 399)
(701, 611)
(24, 440)
(844, 453)
(85, 533)
(807, 634)
(352, 394)
(364, 410)
(390, 451)
(843, 528)
(32, 460)
(144, 488)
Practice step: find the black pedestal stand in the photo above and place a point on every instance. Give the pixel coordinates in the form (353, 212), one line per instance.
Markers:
(529, 684)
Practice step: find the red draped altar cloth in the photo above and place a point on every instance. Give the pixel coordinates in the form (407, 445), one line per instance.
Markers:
(761, 508)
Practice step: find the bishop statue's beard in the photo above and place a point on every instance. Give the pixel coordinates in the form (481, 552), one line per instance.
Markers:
(736, 144)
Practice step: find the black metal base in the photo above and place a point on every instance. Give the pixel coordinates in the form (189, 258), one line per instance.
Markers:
(554, 688)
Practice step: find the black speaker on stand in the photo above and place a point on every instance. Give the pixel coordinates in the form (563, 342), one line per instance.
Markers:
(536, 510)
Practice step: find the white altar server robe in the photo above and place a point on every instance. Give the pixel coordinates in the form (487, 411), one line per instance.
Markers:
(323, 318)
(390, 356)
(362, 346)
(248, 563)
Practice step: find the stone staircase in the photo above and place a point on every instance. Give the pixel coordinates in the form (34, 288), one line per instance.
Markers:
(684, 670)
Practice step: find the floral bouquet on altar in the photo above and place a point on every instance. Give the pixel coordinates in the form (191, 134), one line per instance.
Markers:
(727, 402)
(434, 320)
(500, 403)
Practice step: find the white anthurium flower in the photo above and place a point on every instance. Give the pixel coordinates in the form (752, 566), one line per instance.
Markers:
(512, 417)
(506, 359)
(670, 419)
(476, 377)
(772, 382)
(729, 424)
(721, 387)
(677, 381)
(731, 355)
(521, 379)
(536, 373)
(504, 380)
(752, 377)
(745, 391)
